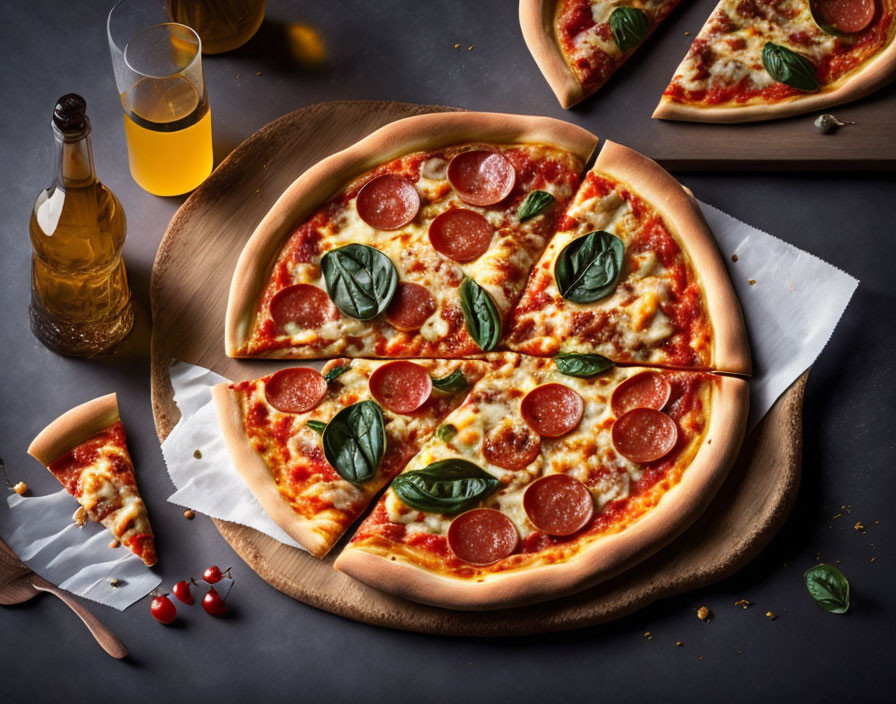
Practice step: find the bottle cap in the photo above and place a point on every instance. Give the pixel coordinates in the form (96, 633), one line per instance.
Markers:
(70, 113)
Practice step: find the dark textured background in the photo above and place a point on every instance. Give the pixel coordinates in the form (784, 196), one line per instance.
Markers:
(275, 647)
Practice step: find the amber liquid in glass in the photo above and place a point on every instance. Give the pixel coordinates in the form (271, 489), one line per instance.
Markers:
(168, 126)
(80, 300)
(223, 25)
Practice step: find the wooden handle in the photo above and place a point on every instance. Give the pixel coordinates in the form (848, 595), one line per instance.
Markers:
(107, 639)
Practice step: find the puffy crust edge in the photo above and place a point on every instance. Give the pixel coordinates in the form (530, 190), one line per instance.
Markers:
(606, 558)
(679, 209)
(537, 24)
(253, 470)
(321, 181)
(877, 72)
(74, 427)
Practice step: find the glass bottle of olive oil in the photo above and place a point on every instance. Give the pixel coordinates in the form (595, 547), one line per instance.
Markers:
(80, 301)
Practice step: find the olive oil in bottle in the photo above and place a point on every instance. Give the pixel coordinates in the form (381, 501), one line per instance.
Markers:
(80, 301)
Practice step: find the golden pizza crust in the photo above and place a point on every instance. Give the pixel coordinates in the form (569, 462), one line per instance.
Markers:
(74, 427)
(681, 214)
(606, 557)
(324, 179)
(315, 535)
(874, 73)
(537, 23)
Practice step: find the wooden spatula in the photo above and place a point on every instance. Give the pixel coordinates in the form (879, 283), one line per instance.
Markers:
(18, 583)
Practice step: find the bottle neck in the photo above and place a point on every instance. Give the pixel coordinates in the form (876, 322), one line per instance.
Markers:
(74, 159)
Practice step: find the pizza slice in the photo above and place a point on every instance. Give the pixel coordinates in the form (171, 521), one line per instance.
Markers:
(579, 44)
(632, 274)
(86, 450)
(763, 59)
(554, 474)
(316, 447)
(423, 249)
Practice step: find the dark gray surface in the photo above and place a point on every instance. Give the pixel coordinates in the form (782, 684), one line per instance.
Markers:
(276, 647)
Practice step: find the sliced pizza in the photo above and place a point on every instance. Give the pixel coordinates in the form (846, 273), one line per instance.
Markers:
(86, 450)
(763, 59)
(414, 242)
(632, 274)
(579, 44)
(316, 447)
(554, 474)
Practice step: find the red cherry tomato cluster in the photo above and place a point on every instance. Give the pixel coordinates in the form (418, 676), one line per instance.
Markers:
(163, 609)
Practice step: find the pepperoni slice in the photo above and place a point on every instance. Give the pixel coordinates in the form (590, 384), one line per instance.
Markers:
(460, 234)
(410, 307)
(558, 504)
(482, 536)
(481, 177)
(303, 305)
(644, 390)
(511, 446)
(295, 390)
(401, 387)
(552, 410)
(849, 16)
(644, 435)
(388, 202)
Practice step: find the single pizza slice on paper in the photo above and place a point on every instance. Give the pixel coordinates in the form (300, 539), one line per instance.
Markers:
(579, 44)
(764, 59)
(316, 447)
(415, 242)
(633, 274)
(86, 450)
(554, 474)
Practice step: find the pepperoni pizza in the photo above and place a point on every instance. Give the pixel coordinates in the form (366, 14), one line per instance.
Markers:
(762, 59)
(549, 477)
(316, 446)
(86, 450)
(579, 44)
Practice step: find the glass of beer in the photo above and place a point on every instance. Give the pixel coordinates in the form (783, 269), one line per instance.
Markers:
(167, 122)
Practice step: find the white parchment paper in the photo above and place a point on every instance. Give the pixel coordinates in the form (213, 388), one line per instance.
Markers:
(791, 309)
(78, 560)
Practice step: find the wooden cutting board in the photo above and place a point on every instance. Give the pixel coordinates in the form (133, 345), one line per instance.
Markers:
(190, 280)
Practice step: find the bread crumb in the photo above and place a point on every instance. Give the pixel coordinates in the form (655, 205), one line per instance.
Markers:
(734, 257)
(189, 514)
(114, 544)
(859, 527)
(20, 488)
(470, 48)
(197, 454)
(873, 559)
(699, 657)
(648, 635)
(678, 644)
(687, 34)
(704, 614)
(115, 583)
(772, 616)
(743, 603)
(836, 516)
(457, 46)
(258, 74)
(80, 517)
(752, 282)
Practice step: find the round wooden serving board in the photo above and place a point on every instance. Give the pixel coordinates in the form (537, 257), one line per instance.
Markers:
(190, 281)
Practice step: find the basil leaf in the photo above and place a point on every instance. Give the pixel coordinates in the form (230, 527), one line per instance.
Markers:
(446, 486)
(629, 26)
(355, 441)
(788, 67)
(829, 587)
(455, 381)
(581, 365)
(317, 426)
(535, 202)
(481, 315)
(335, 373)
(589, 267)
(360, 280)
(446, 432)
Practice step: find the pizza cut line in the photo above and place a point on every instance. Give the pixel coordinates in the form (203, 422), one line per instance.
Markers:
(86, 450)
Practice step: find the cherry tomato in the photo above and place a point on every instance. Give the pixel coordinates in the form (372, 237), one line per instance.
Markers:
(182, 591)
(213, 603)
(163, 609)
(213, 574)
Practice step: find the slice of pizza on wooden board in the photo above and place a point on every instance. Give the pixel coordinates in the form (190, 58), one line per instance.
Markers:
(633, 274)
(414, 242)
(579, 44)
(316, 447)
(86, 450)
(553, 475)
(764, 59)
